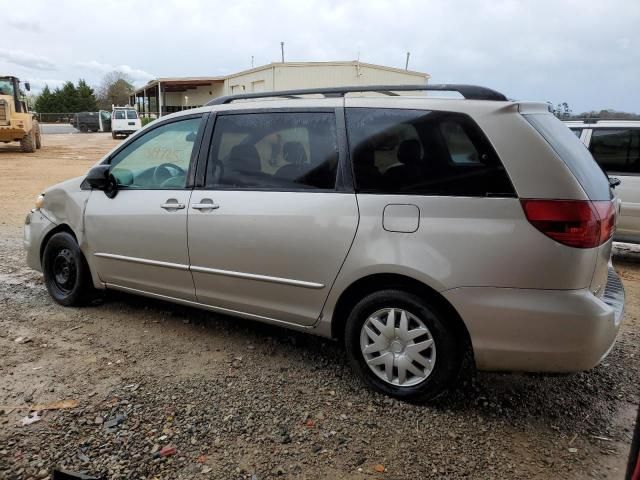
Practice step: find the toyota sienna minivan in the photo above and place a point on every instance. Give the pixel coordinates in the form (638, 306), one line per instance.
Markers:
(417, 230)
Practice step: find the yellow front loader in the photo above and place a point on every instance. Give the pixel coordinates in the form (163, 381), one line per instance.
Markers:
(17, 124)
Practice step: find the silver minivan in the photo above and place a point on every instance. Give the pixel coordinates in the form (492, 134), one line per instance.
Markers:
(417, 230)
(615, 145)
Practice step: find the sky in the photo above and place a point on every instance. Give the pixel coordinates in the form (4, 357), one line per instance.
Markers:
(583, 52)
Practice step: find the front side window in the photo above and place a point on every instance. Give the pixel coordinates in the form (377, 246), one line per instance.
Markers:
(274, 151)
(159, 159)
(424, 153)
(6, 87)
(616, 150)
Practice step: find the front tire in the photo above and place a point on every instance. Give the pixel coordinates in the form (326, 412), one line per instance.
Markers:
(28, 142)
(66, 273)
(403, 346)
(36, 127)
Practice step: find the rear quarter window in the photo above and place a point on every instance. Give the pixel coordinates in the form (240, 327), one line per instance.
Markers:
(574, 154)
(418, 152)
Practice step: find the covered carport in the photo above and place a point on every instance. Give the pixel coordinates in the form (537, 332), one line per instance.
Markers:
(167, 95)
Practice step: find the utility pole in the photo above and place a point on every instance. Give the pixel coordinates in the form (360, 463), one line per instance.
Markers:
(406, 65)
(251, 61)
(282, 50)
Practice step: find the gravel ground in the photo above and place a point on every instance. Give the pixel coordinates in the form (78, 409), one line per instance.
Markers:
(163, 391)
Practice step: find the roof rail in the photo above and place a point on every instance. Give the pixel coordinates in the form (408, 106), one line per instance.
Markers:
(470, 92)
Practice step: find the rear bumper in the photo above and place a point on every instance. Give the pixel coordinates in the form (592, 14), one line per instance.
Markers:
(10, 133)
(540, 330)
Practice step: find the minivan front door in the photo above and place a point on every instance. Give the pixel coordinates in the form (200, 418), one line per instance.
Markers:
(269, 232)
(138, 239)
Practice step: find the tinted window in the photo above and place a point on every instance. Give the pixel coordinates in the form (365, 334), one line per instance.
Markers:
(577, 131)
(617, 151)
(274, 151)
(132, 114)
(118, 114)
(574, 154)
(159, 159)
(422, 152)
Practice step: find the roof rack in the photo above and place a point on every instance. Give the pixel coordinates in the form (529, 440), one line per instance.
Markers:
(470, 92)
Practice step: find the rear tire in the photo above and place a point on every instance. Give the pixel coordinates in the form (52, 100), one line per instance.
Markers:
(66, 273)
(28, 142)
(399, 358)
(113, 135)
(84, 129)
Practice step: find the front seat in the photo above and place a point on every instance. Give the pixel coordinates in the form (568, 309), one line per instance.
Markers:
(410, 169)
(244, 158)
(295, 156)
(242, 166)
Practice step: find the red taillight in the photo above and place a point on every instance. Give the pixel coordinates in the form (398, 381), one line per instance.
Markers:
(576, 223)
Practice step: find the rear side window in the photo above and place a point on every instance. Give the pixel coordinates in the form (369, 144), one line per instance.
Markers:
(574, 154)
(423, 153)
(617, 151)
(274, 151)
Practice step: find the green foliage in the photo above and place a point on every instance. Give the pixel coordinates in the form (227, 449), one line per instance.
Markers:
(146, 120)
(68, 99)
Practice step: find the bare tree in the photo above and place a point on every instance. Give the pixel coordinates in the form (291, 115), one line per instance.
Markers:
(115, 89)
(562, 111)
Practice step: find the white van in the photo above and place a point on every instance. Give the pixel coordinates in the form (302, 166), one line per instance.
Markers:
(124, 121)
(615, 144)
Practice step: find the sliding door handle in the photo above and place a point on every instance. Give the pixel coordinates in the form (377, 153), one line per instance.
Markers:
(204, 206)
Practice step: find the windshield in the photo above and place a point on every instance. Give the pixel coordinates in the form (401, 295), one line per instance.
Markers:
(6, 87)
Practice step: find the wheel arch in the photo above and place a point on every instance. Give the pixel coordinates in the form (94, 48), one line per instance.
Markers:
(382, 281)
(59, 228)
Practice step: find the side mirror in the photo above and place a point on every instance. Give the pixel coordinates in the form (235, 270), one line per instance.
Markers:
(27, 85)
(97, 177)
(614, 182)
(191, 137)
(100, 179)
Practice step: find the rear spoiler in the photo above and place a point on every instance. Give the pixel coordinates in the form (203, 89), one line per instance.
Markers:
(532, 107)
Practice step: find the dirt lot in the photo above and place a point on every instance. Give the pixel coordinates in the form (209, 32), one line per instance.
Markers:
(242, 400)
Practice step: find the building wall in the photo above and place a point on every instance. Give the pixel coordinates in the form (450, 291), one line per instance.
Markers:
(288, 77)
(197, 96)
(294, 76)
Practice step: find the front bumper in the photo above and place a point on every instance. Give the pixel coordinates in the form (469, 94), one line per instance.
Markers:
(540, 330)
(36, 227)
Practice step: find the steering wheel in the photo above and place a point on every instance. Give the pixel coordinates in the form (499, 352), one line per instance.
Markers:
(163, 172)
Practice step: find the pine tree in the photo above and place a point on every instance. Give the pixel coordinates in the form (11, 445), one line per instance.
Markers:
(86, 97)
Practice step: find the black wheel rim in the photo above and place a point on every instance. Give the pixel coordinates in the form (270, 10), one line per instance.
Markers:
(64, 271)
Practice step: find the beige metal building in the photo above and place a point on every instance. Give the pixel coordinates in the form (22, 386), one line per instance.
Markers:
(167, 95)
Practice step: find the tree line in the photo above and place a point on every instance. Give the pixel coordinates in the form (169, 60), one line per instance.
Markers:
(563, 112)
(114, 90)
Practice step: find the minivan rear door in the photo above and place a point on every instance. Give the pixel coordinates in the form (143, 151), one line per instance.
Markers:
(272, 225)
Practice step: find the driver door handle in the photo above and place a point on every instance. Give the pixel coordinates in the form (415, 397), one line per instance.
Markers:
(172, 206)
